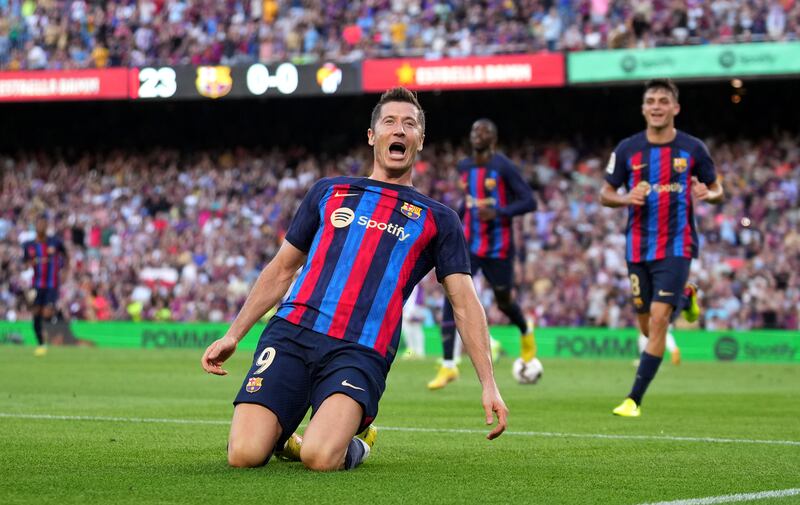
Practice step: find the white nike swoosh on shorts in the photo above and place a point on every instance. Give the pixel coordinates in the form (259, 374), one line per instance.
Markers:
(347, 384)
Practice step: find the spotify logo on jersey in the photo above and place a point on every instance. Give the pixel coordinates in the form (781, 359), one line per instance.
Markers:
(342, 217)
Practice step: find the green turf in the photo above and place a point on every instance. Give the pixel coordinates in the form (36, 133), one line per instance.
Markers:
(92, 461)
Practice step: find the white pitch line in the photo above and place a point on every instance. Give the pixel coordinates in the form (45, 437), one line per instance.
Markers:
(552, 434)
(547, 434)
(113, 419)
(711, 500)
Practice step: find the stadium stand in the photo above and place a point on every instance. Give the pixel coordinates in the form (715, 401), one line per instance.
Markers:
(167, 235)
(54, 34)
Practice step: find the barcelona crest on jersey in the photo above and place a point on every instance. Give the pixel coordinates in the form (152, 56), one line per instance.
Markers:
(411, 211)
(679, 165)
(253, 384)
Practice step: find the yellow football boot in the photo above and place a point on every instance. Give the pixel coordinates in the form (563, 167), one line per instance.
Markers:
(369, 435)
(627, 408)
(444, 377)
(291, 449)
(692, 311)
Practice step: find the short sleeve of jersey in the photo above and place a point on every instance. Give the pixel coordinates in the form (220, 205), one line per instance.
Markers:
(450, 247)
(616, 171)
(306, 221)
(26, 252)
(705, 170)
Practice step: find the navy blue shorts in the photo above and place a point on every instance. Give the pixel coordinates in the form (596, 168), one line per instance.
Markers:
(46, 296)
(295, 368)
(658, 281)
(499, 273)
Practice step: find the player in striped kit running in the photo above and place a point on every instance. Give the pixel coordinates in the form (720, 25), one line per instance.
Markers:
(494, 192)
(663, 169)
(48, 258)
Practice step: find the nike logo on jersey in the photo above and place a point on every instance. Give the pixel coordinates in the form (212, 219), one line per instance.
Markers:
(639, 166)
(348, 385)
(661, 292)
(337, 194)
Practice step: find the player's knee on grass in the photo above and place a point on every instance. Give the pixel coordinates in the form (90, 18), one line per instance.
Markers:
(243, 453)
(254, 433)
(321, 456)
(332, 427)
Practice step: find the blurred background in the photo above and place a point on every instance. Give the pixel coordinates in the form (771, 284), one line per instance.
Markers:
(170, 141)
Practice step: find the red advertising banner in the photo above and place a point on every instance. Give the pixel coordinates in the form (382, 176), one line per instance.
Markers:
(52, 85)
(512, 71)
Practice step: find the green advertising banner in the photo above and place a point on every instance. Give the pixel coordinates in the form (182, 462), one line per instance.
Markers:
(696, 345)
(128, 334)
(595, 343)
(719, 60)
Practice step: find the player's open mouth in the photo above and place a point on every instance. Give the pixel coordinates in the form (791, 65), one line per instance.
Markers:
(397, 150)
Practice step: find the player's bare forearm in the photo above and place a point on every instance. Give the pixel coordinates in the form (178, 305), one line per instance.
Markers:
(716, 194)
(470, 320)
(471, 323)
(271, 285)
(610, 198)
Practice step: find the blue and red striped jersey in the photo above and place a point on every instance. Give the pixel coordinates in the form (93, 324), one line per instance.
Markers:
(664, 226)
(369, 243)
(499, 185)
(47, 258)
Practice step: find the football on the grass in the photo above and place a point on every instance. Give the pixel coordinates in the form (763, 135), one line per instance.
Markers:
(527, 372)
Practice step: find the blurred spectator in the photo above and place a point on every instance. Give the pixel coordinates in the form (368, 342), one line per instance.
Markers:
(166, 235)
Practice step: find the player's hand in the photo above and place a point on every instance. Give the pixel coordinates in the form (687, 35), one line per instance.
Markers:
(699, 190)
(487, 213)
(637, 195)
(493, 404)
(217, 353)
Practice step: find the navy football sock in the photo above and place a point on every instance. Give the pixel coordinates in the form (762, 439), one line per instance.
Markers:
(448, 340)
(37, 329)
(448, 331)
(357, 452)
(511, 309)
(517, 319)
(648, 366)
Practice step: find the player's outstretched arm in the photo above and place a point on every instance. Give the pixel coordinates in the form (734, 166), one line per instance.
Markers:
(471, 323)
(270, 287)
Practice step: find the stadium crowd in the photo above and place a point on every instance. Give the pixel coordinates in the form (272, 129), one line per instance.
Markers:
(168, 235)
(62, 34)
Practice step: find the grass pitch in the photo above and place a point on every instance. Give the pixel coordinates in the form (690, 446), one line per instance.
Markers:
(134, 426)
